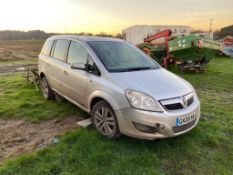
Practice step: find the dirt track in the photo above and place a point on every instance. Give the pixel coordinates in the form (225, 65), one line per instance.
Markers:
(20, 136)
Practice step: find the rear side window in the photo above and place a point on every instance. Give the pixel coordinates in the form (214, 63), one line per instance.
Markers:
(61, 49)
(77, 53)
(47, 48)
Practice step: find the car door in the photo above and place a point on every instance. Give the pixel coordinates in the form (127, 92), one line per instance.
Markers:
(75, 82)
(55, 66)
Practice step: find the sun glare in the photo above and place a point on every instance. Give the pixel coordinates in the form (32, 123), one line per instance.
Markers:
(87, 16)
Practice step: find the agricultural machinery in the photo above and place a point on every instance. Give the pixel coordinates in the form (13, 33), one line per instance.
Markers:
(190, 52)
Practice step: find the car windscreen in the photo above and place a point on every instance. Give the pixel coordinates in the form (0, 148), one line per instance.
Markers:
(122, 57)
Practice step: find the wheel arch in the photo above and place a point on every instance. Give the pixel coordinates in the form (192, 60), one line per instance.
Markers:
(99, 95)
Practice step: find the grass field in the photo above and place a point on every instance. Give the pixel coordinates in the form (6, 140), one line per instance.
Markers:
(19, 51)
(21, 100)
(207, 149)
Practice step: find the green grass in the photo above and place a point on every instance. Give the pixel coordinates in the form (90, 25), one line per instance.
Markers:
(21, 100)
(207, 149)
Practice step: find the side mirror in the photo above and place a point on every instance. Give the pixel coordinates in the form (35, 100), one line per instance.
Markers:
(90, 68)
(79, 66)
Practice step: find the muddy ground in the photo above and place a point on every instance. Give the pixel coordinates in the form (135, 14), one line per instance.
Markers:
(20, 50)
(20, 136)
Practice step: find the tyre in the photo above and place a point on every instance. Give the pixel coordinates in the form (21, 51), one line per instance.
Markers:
(46, 90)
(104, 120)
(58, 98)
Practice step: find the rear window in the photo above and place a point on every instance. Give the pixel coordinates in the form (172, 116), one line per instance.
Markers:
(47, 48)
(61, 49)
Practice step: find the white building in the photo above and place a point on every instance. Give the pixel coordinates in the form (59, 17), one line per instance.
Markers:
(137, 33)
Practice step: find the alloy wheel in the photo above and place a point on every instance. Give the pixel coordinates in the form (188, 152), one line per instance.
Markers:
(105, 121)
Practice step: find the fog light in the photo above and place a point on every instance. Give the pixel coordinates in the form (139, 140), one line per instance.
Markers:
(145, 128)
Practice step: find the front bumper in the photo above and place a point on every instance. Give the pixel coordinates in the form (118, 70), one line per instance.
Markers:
(166, 121)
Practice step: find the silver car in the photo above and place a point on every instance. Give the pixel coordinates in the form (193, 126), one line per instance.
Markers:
(123, 89)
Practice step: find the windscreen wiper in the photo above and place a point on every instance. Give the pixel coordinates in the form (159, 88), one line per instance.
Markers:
(132, 69)
(137, 69)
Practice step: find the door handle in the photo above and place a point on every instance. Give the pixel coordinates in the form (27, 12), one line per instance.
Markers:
(65, 72)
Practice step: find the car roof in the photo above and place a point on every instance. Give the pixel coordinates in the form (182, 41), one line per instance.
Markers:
(86, 38)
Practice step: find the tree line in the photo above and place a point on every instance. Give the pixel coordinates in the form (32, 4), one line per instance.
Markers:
(39, 34)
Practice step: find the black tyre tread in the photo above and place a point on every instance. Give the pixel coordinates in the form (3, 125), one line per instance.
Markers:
(50, 91)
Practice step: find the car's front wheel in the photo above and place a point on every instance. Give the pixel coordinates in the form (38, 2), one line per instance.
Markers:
(104, 120)
(46, 90)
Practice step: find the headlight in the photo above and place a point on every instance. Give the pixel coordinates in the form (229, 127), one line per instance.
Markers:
(142, 101)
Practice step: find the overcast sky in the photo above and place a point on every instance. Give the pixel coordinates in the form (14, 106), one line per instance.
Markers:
(111, 16)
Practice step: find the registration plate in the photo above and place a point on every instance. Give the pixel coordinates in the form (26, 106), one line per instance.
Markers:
(183, 120)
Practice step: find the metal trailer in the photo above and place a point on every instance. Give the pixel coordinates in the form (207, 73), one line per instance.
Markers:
(190, 52)
(193, 52)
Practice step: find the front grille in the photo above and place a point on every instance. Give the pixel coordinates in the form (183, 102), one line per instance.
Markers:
(178, 103)
(181, 128)
(173, 106)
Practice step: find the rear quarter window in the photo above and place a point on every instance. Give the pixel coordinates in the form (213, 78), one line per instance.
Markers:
(61, 49)
(47, 48)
